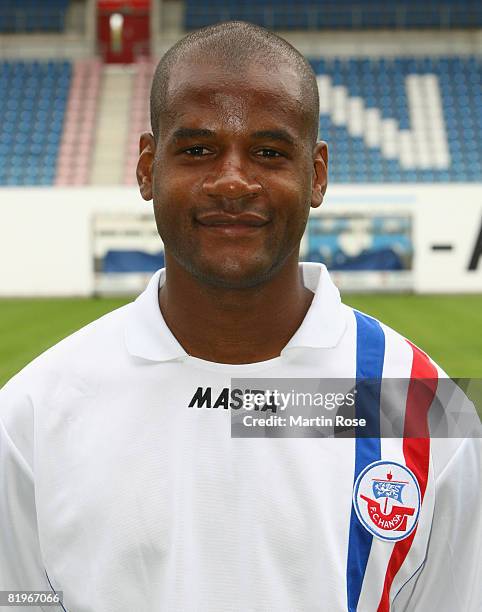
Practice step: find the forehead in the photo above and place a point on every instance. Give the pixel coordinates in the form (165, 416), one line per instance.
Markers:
(198, 89)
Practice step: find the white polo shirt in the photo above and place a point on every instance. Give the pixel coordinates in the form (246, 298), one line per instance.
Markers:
(117, 492)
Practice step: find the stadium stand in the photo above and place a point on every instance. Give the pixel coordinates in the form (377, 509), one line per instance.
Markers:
(386, 120)
(73, 165)
(32, 16)
(32, 107)
(139, 119)
(390, 112)
(343, 14)
(402, 119)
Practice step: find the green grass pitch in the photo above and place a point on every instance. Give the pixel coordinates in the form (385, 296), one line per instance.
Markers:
(446, 327)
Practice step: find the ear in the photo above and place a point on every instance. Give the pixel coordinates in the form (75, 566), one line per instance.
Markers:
(320, 175)
(147, 150)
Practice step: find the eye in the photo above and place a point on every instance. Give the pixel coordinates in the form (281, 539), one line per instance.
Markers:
(196, 151)
(270, 153)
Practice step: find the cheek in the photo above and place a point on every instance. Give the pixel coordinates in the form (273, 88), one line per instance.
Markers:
(294, 183)
(293, 213)
(293, 201)
(172, 200)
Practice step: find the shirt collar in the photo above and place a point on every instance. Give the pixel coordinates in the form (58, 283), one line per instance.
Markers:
(148, 337)
(324, 323)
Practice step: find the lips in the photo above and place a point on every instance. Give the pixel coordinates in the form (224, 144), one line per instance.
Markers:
(225, 220)
(225, 225)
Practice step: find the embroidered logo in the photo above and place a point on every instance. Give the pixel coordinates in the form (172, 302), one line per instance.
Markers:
(386, 497)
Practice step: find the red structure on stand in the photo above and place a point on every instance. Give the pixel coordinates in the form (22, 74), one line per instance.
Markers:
(123, 30)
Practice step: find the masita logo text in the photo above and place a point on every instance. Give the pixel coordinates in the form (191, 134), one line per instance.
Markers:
(248, 399)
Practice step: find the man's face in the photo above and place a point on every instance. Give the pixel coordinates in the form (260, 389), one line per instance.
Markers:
(234, 172)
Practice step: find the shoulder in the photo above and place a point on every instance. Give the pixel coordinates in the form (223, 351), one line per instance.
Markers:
(90, 343)
(424, 386)
(401, 357)
(76, 362)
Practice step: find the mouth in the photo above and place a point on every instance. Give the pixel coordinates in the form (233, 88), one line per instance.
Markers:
(232, 225)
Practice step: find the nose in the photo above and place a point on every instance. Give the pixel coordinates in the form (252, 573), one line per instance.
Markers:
(231, 181)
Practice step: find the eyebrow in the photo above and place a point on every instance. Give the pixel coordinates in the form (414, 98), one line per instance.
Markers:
(281, 135)
(186, 133)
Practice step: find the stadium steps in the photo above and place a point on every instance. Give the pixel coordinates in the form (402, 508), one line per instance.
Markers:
(74, 160)
(112, 129)
(139, 120)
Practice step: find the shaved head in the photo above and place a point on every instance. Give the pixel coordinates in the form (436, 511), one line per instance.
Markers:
(235, 45)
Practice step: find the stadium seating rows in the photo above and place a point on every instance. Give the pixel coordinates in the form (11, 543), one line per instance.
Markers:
(340, 14)
(385, 120)
(32, 107)
(402, 119)
(32, 15)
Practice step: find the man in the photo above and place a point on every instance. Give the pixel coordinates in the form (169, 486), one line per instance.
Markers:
(121, 489)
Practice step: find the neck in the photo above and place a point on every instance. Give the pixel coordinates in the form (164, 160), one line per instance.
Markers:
(234, 326)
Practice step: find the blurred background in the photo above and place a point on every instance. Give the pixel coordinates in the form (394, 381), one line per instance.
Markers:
(400, 107)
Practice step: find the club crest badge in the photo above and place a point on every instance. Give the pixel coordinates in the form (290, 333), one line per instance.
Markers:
(387, 499)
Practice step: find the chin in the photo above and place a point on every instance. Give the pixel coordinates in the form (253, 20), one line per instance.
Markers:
(234, 274)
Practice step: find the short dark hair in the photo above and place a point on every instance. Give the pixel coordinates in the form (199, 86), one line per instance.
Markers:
(236, 44)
